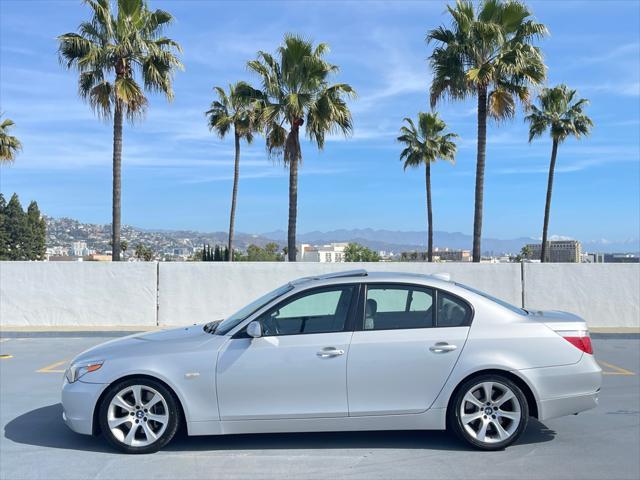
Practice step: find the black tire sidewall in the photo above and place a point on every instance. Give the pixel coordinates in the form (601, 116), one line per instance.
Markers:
(172, 405)
(454, 413)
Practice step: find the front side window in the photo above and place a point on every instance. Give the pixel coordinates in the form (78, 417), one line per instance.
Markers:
(390, 307)
(319, 311)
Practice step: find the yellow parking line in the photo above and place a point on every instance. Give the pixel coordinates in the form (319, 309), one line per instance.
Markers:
(5, 356)
(617, 370)
(51, 368)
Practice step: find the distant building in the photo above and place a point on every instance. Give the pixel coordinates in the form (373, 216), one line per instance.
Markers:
(79, 249)
(621, 258)
(331, 253)
(96, 257)
(447, 255)
(559, 251)
(64, 258)
(592, 258)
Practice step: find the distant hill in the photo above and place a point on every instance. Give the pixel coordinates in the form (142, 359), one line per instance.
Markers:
(396, 241)
(65, 231)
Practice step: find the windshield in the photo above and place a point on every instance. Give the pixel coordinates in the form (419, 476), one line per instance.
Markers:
(513, 308)
(254, 306)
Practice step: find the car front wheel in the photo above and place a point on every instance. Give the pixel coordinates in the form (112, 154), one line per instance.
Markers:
(138, 416)
(489, 412)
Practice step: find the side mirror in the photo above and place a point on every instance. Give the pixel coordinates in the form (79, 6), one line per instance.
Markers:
(254, 329)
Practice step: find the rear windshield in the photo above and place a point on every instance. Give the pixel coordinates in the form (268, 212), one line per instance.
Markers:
(254, 306)
(513, 308)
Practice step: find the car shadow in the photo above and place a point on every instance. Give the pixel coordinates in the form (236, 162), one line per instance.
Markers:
(43, 427)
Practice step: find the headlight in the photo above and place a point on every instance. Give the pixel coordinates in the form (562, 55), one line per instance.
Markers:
(77, 370)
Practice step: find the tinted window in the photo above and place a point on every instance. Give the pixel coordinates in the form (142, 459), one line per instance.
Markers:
(319, 311)
(452, 312)
(390, 307)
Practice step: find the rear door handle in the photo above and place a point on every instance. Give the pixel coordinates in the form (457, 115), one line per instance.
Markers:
(330, 352)
(442, 347)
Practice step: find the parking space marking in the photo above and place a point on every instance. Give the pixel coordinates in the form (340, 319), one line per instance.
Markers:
(616, 370)
(52, 368)
(5, 356)
(2, 340)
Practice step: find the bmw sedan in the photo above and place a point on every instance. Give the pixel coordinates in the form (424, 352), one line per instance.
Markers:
(340, 352)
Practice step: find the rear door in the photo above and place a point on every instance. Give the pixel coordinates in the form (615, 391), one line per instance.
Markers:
(406, 343)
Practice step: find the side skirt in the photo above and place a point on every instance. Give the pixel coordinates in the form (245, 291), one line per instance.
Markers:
(433, 419)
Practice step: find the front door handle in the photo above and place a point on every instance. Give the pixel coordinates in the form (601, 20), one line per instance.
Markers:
(330, 352)
(442, 347)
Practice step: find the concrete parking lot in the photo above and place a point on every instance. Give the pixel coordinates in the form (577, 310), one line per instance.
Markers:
(601, 443)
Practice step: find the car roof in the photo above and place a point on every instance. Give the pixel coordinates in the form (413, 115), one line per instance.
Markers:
(364, 276)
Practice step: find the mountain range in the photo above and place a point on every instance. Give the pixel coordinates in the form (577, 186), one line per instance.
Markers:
(397, 241)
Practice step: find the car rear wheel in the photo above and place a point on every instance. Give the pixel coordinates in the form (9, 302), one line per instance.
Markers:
(138, 415)
(489, 412)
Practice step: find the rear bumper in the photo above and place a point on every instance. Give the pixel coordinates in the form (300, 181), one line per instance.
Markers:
(566, 389)
(78, 403)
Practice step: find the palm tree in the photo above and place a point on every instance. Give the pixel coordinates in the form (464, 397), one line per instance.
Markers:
(235, 109)
(295, 91)
(425, 144)
(109, 52)
(9, 145)
(563, 115)
(486, 54)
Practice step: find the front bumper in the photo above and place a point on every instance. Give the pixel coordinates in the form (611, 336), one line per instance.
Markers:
(78, 404)
(566, 389)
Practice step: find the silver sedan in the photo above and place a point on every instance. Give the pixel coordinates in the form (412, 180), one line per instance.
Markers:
(345, 351)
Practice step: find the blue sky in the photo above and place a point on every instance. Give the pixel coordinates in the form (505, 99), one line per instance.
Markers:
(177, 174)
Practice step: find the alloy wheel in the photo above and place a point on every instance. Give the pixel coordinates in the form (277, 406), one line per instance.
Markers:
(138, 415)
(490, 412)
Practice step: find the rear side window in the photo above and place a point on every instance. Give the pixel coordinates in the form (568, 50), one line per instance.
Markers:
(452, 312)
(391, 307)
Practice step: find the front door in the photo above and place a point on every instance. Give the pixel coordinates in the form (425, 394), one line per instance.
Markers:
(298, 368)
(399, 357)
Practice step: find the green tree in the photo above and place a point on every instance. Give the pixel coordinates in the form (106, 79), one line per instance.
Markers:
(296, 90)
(525, 254)
(563, 115)
(488, 54)
(35, 247)
(9, 145)
(124, 245)
(110, 51)
(234, 110)
(17, 230)
(144, 253)
(425, 144)
(4, 236)
(359, 253)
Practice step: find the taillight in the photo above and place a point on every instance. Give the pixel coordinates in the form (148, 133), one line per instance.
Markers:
(579, 339)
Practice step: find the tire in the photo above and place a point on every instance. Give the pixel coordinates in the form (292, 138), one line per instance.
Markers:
(139, 415)
(488, 423)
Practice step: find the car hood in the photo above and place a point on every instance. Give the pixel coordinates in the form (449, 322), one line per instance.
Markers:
(163, 341)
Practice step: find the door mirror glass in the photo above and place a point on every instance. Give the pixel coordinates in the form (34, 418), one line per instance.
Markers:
(254, 329)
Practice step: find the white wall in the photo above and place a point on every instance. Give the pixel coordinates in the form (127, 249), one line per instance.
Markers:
(203, 291)
(48, 294)
(606, 295)
(77, 293)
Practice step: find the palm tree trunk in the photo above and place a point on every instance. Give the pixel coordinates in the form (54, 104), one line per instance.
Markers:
(547, 206)
(480, 162)
(117, 182)
(293, 210)
(234, 195)
(429, 213)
